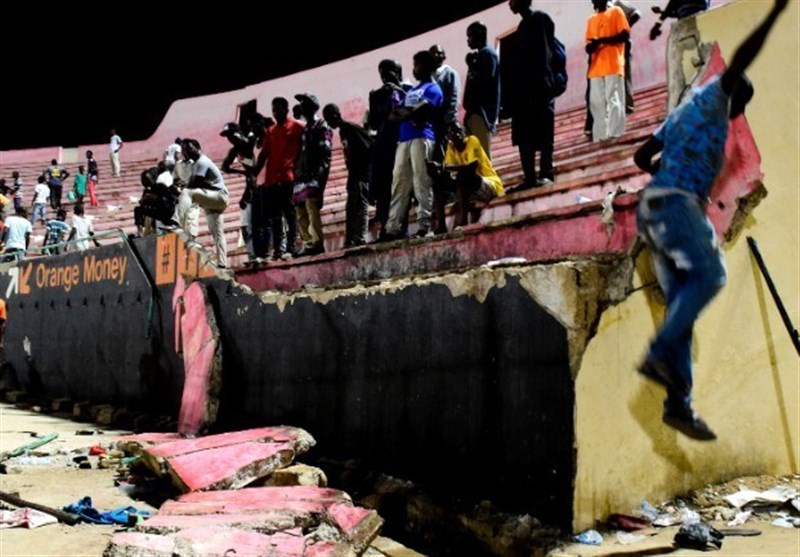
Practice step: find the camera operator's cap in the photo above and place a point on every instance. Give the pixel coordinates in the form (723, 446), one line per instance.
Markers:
(229, 128)
(310, 97)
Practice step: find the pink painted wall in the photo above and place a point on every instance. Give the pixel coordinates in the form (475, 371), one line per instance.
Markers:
(348, 82)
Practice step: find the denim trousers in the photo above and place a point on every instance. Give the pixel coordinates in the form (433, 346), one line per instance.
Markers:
(690, 270)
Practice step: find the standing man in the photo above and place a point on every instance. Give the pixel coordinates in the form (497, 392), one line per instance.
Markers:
(3, 318)
(632, 15)
(533, 105)
(171, 154)
(671, 218)
(482, 90)
(357, 147)
(607, 31)
(417, 117)
(114, 145)
(206, 188)
(677, 9)
(272, 200)
(92, 178)
(17, 234)
(450, 83)
(382, 102)
(56, 176)
(16, 188)
(313, 167)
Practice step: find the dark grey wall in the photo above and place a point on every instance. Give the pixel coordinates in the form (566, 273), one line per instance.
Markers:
(467, 398)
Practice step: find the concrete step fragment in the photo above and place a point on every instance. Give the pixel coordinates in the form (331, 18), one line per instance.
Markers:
(228, 467)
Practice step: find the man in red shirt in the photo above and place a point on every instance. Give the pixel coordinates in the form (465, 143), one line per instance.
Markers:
(272, 199)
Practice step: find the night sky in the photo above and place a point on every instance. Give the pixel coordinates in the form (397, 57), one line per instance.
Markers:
(68, 75)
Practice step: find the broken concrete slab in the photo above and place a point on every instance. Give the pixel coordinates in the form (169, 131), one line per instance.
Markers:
(264, 522)
(300, 439)
(220, 541)
(360, 526)
(228, 467)
(202, 362)
(240, 507)
(135, 444)
(297, 474)
(138, 544)
(326, 496)
(236, 454)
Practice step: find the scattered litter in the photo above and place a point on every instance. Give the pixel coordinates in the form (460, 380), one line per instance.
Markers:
(626, 538)
(86, 465)
(796, 503)
(112, 208)
(787, 522)
(667, 519)
(775, 496)
(648, 511)
(27, 517)
(590, 537)
(688, 516)
(698, 535)
(29, 447)
(740, 518)
(86, 432)
(583, 199)
(97, 450)
(133, 199)
(33, 461)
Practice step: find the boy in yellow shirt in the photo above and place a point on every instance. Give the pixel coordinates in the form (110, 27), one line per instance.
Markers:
(472, 177)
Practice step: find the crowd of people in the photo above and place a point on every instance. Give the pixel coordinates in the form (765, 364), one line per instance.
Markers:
(410, 149)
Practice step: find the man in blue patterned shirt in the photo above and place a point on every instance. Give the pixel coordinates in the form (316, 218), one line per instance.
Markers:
(672, 220)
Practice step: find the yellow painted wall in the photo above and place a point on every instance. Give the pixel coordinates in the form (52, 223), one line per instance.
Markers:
(747, 372)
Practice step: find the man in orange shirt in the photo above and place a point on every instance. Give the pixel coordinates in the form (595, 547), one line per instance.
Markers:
(607, 31)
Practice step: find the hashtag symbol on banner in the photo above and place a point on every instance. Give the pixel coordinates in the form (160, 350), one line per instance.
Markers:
(165, 257)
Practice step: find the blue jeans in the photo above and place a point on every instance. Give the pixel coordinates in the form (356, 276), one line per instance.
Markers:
(690, 270)
(39, 210)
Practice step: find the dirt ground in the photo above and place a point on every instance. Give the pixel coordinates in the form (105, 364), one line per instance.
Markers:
(58, 484)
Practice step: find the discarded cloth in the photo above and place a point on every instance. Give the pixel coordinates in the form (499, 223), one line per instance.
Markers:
(126, 516)
(30, 518)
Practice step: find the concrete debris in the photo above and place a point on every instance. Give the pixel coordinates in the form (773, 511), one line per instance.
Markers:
(215, 517)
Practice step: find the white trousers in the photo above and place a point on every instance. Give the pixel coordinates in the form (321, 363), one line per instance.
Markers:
(607, 103)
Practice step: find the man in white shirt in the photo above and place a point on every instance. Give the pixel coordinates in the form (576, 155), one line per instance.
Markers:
(17, 234)
(114, 145)
(206, 188)
(40, 196)
(171, 154)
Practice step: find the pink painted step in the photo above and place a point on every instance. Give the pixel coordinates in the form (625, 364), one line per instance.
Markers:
(254, 495)
(229, 467)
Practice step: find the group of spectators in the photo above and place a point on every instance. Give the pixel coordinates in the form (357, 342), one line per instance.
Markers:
(411, 148)
(17, 227)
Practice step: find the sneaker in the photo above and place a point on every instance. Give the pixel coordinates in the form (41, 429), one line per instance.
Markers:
(541, 182)
(658, 372)
(690, 424)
